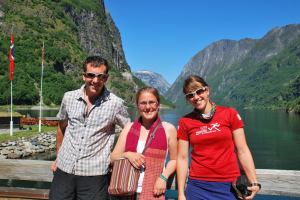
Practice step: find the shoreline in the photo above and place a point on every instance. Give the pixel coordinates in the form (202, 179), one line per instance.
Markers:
(24, 147)
(27, 107)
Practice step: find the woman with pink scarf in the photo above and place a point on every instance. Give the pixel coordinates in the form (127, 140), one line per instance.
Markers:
(131, 142)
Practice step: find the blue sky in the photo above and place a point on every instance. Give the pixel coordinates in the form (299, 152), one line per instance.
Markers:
(162, 35)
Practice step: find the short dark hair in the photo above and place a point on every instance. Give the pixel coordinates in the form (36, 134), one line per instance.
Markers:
(151, 90)
(95, 61)
(192, 83)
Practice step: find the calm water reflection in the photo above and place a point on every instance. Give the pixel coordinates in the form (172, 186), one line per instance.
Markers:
(273, 136)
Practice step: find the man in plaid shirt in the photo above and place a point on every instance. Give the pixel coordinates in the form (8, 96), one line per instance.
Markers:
(85, 136)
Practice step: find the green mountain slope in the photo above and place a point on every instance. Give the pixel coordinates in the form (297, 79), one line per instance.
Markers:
(261, 73)
(71, 30)
(270, 84)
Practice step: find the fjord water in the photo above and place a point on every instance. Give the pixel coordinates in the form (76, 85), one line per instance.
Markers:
(273, 136)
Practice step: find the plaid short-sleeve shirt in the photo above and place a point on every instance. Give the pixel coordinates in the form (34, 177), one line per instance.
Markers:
(88, 140)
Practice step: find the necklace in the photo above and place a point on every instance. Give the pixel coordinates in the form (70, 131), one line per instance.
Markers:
(207, 116)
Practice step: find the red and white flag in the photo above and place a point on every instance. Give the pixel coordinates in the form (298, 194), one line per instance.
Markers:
(11, 58)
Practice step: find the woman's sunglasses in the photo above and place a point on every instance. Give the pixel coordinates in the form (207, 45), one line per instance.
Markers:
(196, 92)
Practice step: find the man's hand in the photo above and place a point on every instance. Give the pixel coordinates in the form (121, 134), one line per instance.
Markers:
(53, 166)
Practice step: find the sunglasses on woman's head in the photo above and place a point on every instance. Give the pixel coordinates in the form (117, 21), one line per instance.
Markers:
(92, 75)
(196, 92)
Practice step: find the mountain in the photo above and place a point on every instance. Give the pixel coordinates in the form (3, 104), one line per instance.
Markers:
(253, 73)
(71, 30)
(153, 79)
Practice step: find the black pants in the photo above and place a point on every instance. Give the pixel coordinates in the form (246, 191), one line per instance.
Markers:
(71, 187)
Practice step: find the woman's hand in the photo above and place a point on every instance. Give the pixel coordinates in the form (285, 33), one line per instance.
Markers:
(246, 160)
(254, 190)
(159, 187)
(181, 197)
(136, 159)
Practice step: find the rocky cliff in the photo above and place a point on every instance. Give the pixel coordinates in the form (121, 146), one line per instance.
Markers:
(98, 34)
(153, 79)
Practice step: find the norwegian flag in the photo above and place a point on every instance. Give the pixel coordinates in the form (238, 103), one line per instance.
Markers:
(11, 58)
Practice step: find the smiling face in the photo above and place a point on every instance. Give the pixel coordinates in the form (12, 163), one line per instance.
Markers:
(196, 92)
(94, 84)
(199, 99)
(148, 106)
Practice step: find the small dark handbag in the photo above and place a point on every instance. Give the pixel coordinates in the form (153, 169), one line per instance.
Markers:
(240, 186)
(124, 177)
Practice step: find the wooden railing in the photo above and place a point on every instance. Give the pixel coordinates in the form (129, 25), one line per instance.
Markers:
(30, 170)
(274, 182)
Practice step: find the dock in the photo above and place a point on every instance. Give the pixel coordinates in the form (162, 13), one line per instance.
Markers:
(28, 170)
(274, 182)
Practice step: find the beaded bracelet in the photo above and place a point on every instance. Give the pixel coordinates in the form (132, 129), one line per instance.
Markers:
(163, 177)
(256, 184)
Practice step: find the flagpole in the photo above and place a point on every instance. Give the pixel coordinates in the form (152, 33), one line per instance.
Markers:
(41, 91)
(11, 110)
(11, 72)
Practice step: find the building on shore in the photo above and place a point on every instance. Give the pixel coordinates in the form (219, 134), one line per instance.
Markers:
(5, 119)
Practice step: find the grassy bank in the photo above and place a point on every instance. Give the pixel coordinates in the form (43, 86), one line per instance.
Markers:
(4, 137)
(6, 108)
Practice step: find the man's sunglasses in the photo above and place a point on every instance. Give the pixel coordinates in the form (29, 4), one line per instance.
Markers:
(196, 92)
(91, 75)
